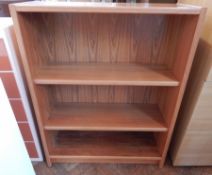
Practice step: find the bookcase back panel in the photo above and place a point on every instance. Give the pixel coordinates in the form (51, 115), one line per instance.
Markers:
(66, 38)
(122, 144)
(104, 94)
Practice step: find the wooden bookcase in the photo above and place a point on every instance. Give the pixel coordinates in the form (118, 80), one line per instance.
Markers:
(106, 79)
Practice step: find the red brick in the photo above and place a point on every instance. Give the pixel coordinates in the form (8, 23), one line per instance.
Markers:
(25, 131)
(4, 64)
(10, 85)
(18, 110)
(31, 149)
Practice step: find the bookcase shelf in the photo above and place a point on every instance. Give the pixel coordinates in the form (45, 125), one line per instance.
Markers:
(106, 79)
(105, 117)
(106, 74)
(103, 147)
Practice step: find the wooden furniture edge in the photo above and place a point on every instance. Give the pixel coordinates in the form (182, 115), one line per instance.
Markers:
(184, 81)
(14, 9)
(199, 72)
(29, 79)
(87, 7)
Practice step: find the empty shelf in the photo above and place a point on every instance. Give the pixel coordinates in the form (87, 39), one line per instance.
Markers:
(105, 117)
(100, 146)
(105, 74)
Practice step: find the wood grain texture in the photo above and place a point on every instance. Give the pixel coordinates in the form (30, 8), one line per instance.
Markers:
(105, 117)
(83, 7)
(119, 38)
(17, 20)
(187, 44)
(103, 145)
(194, 138)
(171, 103)
(200, 69)
(102, 160)
(194, 115)
(153, 37)
(105, 74)
(105, 94)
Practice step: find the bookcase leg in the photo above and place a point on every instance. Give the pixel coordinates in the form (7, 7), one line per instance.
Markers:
(161, 163)
(49, 163)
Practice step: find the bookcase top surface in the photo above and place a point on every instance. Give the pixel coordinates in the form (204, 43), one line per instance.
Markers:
(99, 7)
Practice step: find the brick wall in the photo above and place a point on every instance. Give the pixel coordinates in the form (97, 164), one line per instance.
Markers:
(8, 78)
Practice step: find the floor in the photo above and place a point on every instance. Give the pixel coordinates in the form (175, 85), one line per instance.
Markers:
(118, 169)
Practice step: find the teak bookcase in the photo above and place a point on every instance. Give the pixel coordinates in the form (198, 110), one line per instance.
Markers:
(106, 79)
